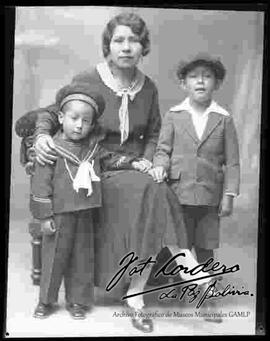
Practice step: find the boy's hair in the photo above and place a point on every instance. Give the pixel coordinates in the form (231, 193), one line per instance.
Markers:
(137, 26)
(214, 64)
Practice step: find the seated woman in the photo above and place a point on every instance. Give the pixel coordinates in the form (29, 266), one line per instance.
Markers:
(138, 214)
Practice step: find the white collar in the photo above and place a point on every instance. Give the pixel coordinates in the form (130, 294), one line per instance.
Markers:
(213, 107)
(108, 79)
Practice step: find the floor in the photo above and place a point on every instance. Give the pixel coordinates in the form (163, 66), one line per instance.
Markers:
(171, 318)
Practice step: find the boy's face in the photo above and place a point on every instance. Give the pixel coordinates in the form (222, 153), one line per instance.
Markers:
(77, 120)
(200, 83)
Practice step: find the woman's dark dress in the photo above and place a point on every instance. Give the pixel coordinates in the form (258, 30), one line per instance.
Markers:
(137, 214)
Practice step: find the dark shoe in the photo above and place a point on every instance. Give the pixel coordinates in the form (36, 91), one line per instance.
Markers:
(77, 311)
(139, 321)
(43, 311)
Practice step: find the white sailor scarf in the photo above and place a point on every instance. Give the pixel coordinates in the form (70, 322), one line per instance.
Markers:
(85, 174)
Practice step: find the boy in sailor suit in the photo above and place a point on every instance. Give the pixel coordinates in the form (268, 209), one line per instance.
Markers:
(62, 196)
(198, 152)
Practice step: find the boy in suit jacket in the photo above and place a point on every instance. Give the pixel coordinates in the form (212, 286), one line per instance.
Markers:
(62, 198)
(198, 153)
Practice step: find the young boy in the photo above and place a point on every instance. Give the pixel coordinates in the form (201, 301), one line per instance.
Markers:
(198, 152)
(62, 196)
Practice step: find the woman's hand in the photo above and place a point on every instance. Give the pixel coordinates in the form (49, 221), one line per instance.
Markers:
(158, 173)
(48, 227)
(143, 165)
(44, 148)
(226, 207)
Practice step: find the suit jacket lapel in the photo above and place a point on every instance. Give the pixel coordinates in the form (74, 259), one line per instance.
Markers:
(189, 126)
(212, 122)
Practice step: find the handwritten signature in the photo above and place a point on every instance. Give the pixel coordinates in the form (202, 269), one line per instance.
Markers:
(193, 291)
(131, 265)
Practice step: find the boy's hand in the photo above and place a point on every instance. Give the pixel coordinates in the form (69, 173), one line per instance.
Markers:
(143, 165)
(158, 173)
(44, 148)
(48, 227)
(226, 207)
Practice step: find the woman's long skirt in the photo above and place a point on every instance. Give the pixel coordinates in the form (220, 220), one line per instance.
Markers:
(138, 215)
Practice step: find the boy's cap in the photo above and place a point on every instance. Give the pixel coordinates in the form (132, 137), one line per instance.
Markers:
(84, 92)
(202, 59)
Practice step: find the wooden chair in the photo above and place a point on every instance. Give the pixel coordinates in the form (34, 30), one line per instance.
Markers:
(27, 156)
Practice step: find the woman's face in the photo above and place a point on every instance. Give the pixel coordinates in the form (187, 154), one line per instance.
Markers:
(125, 48)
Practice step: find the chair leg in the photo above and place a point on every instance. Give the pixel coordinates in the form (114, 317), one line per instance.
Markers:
(34, 229)
(36, 260)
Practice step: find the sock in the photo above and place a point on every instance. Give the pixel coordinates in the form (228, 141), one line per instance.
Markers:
(203, 254)
(190, 262)
(135, 302)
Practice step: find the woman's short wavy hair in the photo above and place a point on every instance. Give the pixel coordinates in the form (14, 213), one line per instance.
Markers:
(137, 26)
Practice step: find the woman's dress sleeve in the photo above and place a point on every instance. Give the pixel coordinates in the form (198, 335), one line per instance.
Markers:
(152, 132)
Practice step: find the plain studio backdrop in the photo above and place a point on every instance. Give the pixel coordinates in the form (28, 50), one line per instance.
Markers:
(52, 44)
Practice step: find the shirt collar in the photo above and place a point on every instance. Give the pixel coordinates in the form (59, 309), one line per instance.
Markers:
(213, 107)
(108, 79)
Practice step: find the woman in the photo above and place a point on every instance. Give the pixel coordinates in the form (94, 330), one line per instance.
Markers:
(138, 214)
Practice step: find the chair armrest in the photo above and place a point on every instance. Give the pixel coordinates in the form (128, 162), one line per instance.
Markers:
(27, 154)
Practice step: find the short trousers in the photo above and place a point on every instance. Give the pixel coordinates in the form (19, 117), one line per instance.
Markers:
(202, 224)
